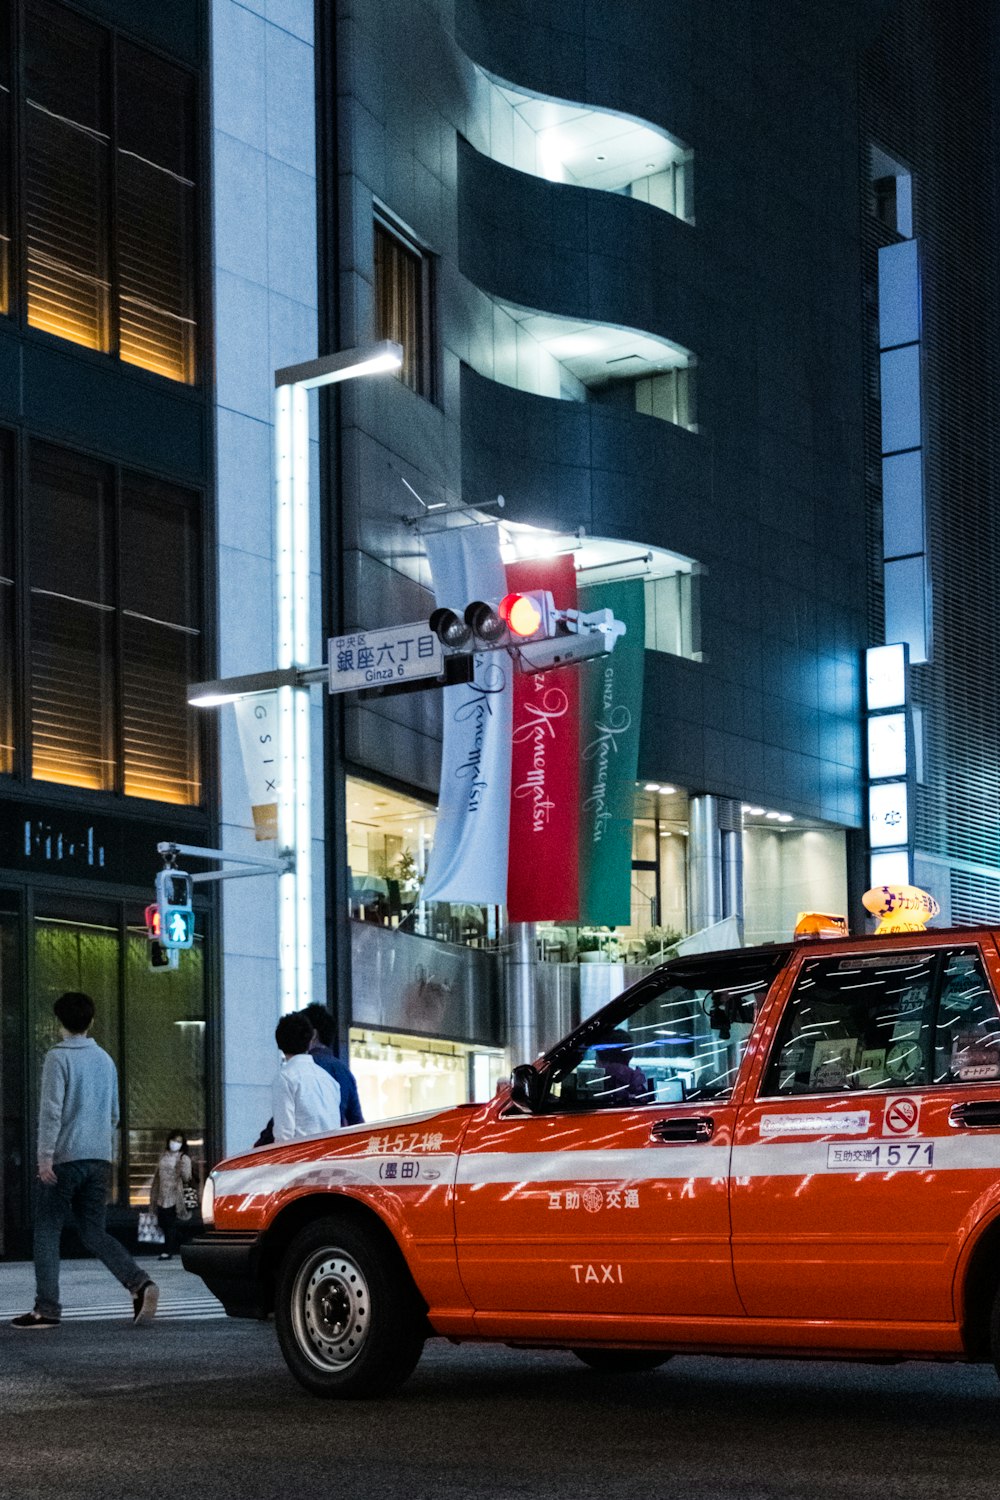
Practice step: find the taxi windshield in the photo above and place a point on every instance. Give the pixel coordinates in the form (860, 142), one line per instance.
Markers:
(676, 1038)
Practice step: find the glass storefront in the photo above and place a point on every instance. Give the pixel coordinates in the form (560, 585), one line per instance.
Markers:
(403, 1075)
(790, 864)
(389, 839)
(152, 1024)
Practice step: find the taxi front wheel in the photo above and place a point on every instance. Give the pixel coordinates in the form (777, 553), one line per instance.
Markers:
(347, 1319)
(622, 1361)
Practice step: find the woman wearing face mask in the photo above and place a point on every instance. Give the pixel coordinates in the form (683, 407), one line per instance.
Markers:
(166, 1193)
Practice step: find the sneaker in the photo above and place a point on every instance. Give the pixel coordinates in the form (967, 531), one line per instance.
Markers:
(164, 1256)
(144, 1302)
(34, 1320)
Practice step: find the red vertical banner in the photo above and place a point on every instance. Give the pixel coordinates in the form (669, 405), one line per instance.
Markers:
(543, 878)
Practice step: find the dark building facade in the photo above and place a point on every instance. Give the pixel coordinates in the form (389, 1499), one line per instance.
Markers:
(635, 250)
(703, 292)
(928, 100)
(106, 539)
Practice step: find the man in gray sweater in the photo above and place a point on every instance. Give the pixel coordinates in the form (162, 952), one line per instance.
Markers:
(77, 1120)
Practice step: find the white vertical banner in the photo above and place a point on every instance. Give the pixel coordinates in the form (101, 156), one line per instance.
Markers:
(257, 723)
(469, 859)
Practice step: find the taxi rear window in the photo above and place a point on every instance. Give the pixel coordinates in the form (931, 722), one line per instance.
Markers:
(885, 1021)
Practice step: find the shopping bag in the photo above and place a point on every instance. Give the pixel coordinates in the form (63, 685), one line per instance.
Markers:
(150, 1232)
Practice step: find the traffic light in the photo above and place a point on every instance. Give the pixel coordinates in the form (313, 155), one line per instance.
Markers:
(160, 958)
(175, 908)
(479, 628)
(528, 625)
(484, 627)
(530, 617)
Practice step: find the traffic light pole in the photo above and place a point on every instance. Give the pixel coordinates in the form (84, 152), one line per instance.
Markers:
(261, 864)
(293, 522)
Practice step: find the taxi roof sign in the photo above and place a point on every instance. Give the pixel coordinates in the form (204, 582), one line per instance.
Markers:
(821, 924)
(900, 908)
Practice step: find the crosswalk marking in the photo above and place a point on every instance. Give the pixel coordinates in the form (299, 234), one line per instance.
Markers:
(200, 1308)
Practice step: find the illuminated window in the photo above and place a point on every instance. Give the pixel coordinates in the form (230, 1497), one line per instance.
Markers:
(107, 197)
(404, 1075)
(7, 646)
(112, 647)
(4, 163)
(156, 327)
(67, 176)
(402, 304)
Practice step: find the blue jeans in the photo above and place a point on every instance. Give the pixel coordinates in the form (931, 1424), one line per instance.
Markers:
(80, 1192)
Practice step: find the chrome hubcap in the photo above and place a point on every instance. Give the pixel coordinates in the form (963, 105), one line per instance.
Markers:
(331, 1309)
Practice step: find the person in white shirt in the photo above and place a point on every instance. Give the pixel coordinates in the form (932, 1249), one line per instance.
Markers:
(305, 1099)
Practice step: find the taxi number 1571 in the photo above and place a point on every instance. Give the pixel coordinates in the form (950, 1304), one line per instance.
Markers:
(889, 1155)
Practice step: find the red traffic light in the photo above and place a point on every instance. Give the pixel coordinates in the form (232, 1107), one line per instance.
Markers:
(521, 614)
(153, 922)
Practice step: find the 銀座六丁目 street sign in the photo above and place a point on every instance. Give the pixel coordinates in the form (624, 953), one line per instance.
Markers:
(376, 658)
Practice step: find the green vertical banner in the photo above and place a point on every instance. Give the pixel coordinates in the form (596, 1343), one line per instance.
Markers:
(610, 720)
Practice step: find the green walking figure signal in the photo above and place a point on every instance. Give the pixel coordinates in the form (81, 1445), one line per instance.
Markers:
(174, 904)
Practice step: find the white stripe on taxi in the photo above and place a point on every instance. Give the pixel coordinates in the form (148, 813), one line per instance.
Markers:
(642, 1164)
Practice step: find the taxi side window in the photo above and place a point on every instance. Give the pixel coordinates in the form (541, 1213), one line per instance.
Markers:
(967, 1035)
(686, 1042)
(885, 1021)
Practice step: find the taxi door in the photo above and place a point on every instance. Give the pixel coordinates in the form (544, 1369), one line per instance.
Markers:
(616, 1212)
(869, 1144)
(613, 1199)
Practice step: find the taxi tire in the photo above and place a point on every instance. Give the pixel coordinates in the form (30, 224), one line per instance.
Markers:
(622, 1361)
(394, 1327)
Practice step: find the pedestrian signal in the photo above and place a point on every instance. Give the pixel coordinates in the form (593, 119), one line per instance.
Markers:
(162, 959)
(176, 912)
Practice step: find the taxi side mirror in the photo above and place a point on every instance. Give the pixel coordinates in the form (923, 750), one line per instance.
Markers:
(526, 1089)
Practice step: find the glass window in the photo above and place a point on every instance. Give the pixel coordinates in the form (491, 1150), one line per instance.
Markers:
(111, 658)
(109, 193)
(682, 1040)
(867, 1022)
(389, 838)
(160, 642)
(405, 1075)
(164, 1071)
(156, 209)
(5, 195)
(14, 1180)
(152, 1024)
(7, 637)
(66, 175)
(967, 1036)
(402, 304)
(70, 621)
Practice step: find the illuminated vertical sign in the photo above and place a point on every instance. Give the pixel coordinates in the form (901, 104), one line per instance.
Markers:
(890, 766)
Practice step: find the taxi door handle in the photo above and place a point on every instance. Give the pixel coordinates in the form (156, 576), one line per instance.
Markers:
(693, 1128)
(982, 1112)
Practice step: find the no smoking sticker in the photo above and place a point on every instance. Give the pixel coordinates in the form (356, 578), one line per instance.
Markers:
(902, 1115)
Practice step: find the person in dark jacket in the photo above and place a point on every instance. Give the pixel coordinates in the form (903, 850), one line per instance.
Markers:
(321, 1048)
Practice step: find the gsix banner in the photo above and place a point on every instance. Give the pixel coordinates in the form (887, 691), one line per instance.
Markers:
(539, 767)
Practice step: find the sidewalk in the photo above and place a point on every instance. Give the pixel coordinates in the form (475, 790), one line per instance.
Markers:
(91, 1294)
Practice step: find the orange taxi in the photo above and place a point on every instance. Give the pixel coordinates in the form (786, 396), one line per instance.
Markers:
(792, 1149)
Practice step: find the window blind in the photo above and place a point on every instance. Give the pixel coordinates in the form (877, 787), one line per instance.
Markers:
(399, 309)
(70, 692)
(66, 216)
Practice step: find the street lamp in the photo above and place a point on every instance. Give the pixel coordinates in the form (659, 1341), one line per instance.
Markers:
(294, 673)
